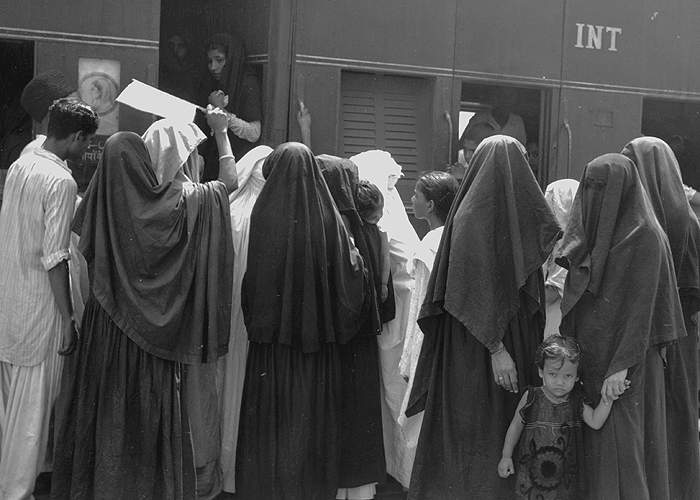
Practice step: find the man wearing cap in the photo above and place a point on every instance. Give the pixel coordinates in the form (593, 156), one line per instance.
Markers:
(36, 98)
(36, 323)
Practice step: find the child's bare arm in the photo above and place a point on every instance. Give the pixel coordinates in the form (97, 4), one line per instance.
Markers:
(595, 418)
(386, 265)
(505, 466)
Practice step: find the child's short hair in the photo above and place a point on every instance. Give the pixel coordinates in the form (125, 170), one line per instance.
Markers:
(559, 348)
(368, 199)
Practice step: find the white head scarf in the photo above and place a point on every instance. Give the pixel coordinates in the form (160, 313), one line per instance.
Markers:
(170, 144)
(560, 196)
(378, 167)
(249, 171)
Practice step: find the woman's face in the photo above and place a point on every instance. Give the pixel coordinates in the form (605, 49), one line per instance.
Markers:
(216, 62)
(421, 205)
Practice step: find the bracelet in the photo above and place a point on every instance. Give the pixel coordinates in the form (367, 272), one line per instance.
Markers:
(500, 349)
(222, 157)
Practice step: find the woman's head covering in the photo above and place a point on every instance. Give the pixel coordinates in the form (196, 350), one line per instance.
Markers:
(378, 167)
(233, 72)
(342, 178)
(560, 197)
(304, 285)
(661, 177)
(620, 295)
(249, 170)
(170, 144)
(499, 231)
(160, 257)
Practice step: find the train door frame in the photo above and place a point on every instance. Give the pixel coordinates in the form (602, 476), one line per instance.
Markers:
(545, 119)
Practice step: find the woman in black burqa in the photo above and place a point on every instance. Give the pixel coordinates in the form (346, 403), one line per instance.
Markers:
(160, 259)
(362, 462)
(303, 296)
(483, 318)
(621, 304)
(678, 470)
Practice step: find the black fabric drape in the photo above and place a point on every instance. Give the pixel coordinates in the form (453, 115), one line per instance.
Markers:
(621, 304)
(160, 255)
(304, 281)
(661, 176)
(486, 286)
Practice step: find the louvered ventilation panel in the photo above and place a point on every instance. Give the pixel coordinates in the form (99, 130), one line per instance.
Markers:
(382, 112)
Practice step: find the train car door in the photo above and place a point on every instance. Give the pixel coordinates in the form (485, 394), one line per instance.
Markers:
(529, 108)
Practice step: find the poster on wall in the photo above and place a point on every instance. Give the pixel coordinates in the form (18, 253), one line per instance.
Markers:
(98, 86)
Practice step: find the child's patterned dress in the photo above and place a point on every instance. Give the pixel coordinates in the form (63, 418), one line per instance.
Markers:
(550, 447)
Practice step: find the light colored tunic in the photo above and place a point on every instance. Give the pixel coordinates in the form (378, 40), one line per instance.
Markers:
(35, 219)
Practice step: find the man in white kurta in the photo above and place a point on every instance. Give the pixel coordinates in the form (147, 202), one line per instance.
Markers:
(35, 312)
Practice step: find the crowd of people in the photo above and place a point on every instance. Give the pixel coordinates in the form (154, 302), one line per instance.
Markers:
(212, 316)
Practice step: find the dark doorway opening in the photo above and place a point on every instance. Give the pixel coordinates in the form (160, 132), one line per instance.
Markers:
(16, 68)
(529, 104)
(677, 123)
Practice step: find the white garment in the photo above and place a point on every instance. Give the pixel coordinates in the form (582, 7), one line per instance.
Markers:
(232, 366)
(379, 168)
(170, 143)
(77, 267)
(422, 267)
(35, 221)
(560, 197)
(366, 492)
(27, 394)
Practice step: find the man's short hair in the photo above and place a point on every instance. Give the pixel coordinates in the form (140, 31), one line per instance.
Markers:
(67, 116)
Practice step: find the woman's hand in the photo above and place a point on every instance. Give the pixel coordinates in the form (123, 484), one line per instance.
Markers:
(505, 467)
(218, 99)
(217, 119)
(504, 372)
(614, 386)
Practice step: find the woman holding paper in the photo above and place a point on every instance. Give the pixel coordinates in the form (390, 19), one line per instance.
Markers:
(161, 265)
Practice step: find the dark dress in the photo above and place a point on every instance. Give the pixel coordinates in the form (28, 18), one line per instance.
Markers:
(120, 431)
(621, 274)
(679, 476)
(362, 458)
(549, 461)
(160, 290)
(486, 287)
(303, 297)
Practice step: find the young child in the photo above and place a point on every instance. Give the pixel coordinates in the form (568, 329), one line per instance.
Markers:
(550, 451)
(370, 206)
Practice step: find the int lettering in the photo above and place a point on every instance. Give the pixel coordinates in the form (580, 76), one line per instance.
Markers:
(596, 35)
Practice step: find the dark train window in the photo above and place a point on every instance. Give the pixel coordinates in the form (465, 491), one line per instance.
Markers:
(678, 123)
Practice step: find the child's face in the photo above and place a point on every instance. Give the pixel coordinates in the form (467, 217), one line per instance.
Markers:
(374, 217)
(558, 379)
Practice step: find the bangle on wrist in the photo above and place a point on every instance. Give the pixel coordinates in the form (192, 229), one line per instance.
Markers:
(223, 157)
(497, 349)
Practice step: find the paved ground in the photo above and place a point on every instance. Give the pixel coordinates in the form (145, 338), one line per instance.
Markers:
(391, 490)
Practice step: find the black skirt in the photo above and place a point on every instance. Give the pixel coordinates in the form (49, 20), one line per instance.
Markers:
(288, 441)
(466, 413)
(120, 430)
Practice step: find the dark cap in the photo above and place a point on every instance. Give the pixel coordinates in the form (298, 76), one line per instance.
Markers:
(42, 91)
